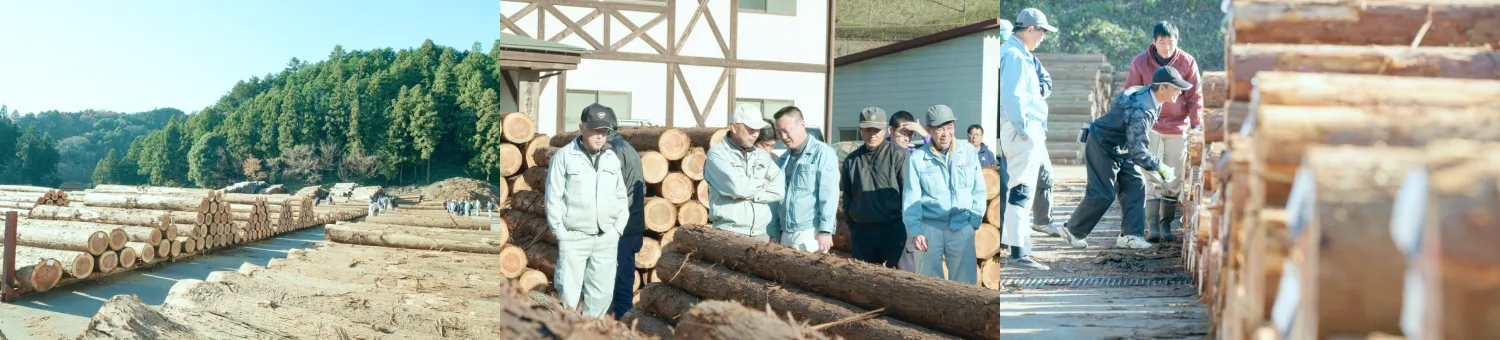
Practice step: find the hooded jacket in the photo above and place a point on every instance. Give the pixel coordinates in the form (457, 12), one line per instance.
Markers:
(1126, 126)
(1176, 117)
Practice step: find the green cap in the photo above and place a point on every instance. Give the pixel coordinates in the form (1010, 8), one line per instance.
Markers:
(939, 115)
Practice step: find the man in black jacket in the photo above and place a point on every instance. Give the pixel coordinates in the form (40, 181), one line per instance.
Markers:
(870, 181)
(630, 240)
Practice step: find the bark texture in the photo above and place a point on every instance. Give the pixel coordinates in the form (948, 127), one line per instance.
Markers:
(730, 321)
(1437, 62)
(1312, 22)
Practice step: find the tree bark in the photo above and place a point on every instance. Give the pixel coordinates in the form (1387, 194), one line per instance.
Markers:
(527, 227)
(1283, 133)
(528, 201)
(705, 137)
(517, 184)
(987, 241)
(159, 219)
(648, 255)
(142, 234)
(26, 188)
(690, 212)
(126, 317)
(1214, 87)
(672, 143)
(692, 164)
(730, 321)
(511, 160)
(536, 178)
(654, 166)
(971, 311)
(1322, 89)
(1308, 22)
(445, 222)
(150, 190)
(1348, 218)
(541, 257)
(645, 323)
(482, 242)
(668, 302)
(660, 214)
(676, 188)
(94, 242)
(1436, 62)
(135, 201)
(702, 279)
(75, 264)
(517, 127)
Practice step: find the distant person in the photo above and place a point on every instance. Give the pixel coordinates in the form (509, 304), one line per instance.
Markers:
(767, 140)
(742, 181)
(871, 182)
(905, 129)
(587, 209)
(943, 201)
(632, 237)
(1167, 140)
(1023, 130)
(976, 138)
(1112, 174)
(805, 218)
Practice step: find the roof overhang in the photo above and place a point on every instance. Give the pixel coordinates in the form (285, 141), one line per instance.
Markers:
(982, 26)
(524, 53)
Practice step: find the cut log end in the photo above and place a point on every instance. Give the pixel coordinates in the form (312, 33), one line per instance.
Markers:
(660, 214)
(649, 253)
(654, 166)
(992, 185)
(987, 241)
(511, 159)
(691, 212)
(512, 261)
(532, 280)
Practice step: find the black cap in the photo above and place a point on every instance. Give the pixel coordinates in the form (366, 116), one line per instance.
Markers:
(1169, 76)
(597, 116)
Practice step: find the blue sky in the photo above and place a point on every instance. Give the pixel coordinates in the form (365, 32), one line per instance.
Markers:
(131, 56)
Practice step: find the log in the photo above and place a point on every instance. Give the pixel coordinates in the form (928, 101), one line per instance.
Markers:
(676, 188)
(908, 296)
(1347, 196)
(75, 264)
(532, 280)
(650, 251)
(133, 217)
(1437, 62)
(992, 185)
(517, 127)
(107, 262)
(1213, 125)
(222, 300)
(126, 317)
(517, 184)
(142, 234)
(647, 323)
(690, 212)
(667, 237)
(660, 214)
(692, 164)
(992, 214)
(666, 301)
(512, 261)
(536, 178)
(1321, 89)
(1283, 133)
(672, 143)
(26, 188)
(128, 258)
(1446, 216)
(1308, 22)
(1215, 87)
(480, 242)
(440, 221)
(537, 142)
(511, 160)
(93, 242)
(702, 193)
(989, 273)
(526, 228)
(702, 279)
(542, 257)
(465, 275)
(731, 321)
(134, 201)
(705, 137)
(151, 190)
(542, 156)
(654, 166)
(986, 241)
(164, 249)
(528, 201)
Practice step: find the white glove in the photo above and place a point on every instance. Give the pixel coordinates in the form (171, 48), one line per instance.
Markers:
(1165, 172)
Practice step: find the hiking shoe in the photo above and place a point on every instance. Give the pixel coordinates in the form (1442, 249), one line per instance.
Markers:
(1132, 242)
(1073, 241)
(1048, 229)
(1027, 262)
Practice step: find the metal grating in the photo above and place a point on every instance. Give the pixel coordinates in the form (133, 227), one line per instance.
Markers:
(1095, 282)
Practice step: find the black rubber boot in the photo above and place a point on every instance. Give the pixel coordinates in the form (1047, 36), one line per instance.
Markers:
(1153, 220)
(1168, 215)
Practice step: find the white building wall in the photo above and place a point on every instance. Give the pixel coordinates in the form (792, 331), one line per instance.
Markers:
(646, 83)
(797, 39)
(804, 89)
(951, 73)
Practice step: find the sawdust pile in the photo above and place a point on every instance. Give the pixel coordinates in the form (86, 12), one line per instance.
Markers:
(459, 188)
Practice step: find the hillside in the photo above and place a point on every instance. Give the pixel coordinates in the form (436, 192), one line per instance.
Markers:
(1117, 29)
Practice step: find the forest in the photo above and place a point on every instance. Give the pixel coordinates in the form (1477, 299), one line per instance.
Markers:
(379, 116)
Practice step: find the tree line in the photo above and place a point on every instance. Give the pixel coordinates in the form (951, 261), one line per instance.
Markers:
(379, 116)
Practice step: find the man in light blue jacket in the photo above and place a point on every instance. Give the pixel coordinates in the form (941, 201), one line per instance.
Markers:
(587, 209)
(743, 181)
(942, 201)
(1023, 131)
(804, 219)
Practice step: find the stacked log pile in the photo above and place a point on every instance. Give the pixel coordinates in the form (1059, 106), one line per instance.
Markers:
(987, 238)
(521, 148)
(21, 197)
(1327, 114)
(873, 302)
(407, 294)
(433, 230)
(1082, 89)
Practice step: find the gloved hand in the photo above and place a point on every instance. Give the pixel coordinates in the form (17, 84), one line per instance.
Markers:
(1165, 172)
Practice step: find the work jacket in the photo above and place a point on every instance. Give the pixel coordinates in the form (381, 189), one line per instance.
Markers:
(943, 190)
(812, 190)
(585, 193)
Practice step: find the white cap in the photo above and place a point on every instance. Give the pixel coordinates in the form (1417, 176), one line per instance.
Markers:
(749, 115)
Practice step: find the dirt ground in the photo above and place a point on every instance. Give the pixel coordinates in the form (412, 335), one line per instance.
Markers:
(1100, 292)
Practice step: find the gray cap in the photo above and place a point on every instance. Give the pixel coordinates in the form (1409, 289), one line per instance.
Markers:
(939, 114)
(1034, 17)
(872, 117)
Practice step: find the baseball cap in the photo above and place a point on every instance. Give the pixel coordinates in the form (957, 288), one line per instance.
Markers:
(1169, 76)
(1034, 17)
(872, 117)
(749, 115)
(597, 116)
(939, 115)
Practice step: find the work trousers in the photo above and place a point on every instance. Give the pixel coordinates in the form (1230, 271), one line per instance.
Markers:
(630, 243)
(1173, 152)
(954, 248)
(586, 268)
(805, 240)
(1024, 159)
(1111, 175)
(1041, 202)
(878, 243)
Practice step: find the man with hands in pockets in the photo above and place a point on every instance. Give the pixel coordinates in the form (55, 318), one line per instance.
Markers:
(587, 208)
(942, 201)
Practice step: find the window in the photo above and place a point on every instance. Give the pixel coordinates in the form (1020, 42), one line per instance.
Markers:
(768, 107)
(579, 99)
(849, 134)
(781, 7)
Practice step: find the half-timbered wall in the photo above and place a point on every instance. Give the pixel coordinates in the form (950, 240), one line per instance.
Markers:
(683, 62)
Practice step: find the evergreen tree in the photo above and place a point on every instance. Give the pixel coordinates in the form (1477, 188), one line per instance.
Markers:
(208, 163)
(104, 172)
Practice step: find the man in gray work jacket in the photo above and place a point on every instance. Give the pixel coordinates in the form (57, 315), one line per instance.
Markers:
(587, 207)
(630, 239)
(742, 180)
